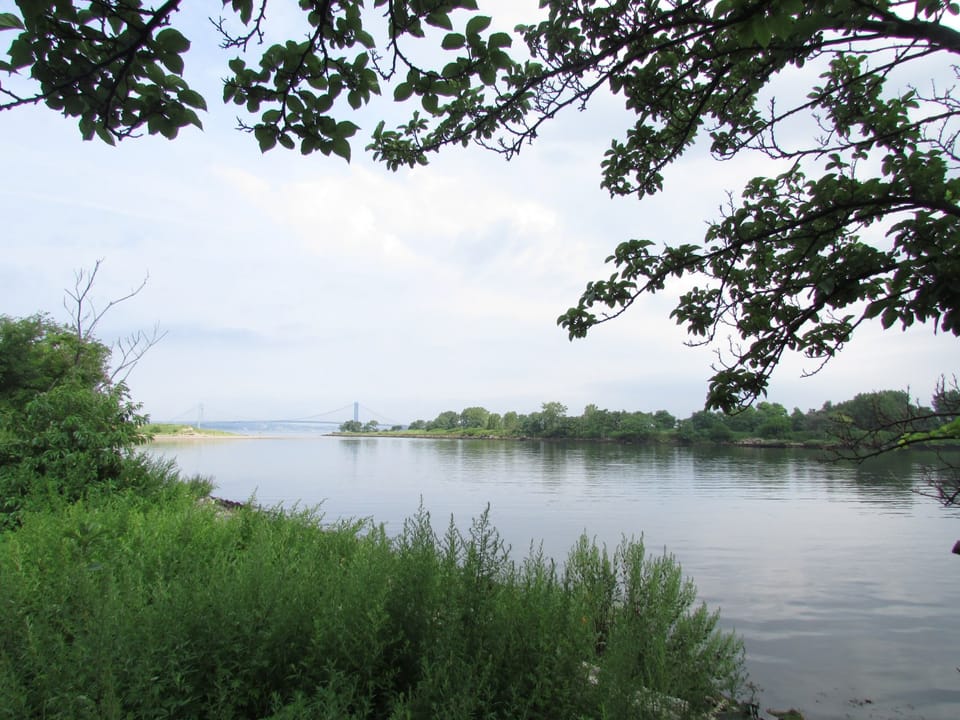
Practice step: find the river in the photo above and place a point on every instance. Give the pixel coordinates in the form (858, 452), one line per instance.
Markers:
(839, 578)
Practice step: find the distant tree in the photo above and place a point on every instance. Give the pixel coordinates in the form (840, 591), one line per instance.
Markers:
(474, 417)
(596, 423)
(417, 425)
(797, 420)
(351, 426)
(704, 425)
(664, 420)
(371, 426)
(552, 418)
(875, 410)
(635, 427)
(744, 421)
(447, 420)
(531, 424)
(511, 422)
(494, 422)
(773, 420)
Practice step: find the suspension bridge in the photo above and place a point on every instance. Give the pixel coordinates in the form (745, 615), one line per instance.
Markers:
(324, 420)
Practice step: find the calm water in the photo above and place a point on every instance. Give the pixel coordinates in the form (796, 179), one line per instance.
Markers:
(840, 579)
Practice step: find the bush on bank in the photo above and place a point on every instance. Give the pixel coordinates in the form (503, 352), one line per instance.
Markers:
(170, 608)
(67, 430)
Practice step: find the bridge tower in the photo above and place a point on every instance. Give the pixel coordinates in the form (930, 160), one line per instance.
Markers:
(356, 411)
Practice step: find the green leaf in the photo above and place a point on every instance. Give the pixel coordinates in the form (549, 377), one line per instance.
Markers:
(9, 21)
(365, 39)
(173, 63)
(266, 137)
(477, 24)
(402, 92)
(341, 147)
(762, 34)
(440, 20)
(499, 40)
(430, 103)
(346, 129)
(452, 69)
(453, 41)
(192, 98)
(488, 74)
(245, 8)
(172, 41)
(192, 118)
(155, 73)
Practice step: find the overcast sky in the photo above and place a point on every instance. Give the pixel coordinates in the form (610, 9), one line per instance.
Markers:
(292, 286)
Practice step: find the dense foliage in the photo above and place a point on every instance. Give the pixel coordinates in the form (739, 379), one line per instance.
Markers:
(174, 609)
(851, 102)
(890, 415)
(65, 429)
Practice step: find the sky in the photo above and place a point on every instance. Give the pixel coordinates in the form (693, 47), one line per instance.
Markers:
(292, 287)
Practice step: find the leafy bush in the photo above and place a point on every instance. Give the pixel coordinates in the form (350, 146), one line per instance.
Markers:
(174, 609)
(65, 429)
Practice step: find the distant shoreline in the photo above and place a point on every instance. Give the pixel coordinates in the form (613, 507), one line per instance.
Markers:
(167, 432)
(167, 437)
(746, 442)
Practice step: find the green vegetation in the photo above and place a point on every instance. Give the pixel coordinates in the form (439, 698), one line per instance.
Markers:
(128, 593)
(66, 430)
(169, 608)
(176, 430)
(886, 417)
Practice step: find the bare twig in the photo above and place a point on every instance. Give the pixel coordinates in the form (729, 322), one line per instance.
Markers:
(85, 317)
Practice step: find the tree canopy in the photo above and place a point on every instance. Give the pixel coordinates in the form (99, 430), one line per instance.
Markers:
(852, 102)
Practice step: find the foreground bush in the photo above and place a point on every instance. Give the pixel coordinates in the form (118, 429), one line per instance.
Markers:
(67, 430)
(175, 609)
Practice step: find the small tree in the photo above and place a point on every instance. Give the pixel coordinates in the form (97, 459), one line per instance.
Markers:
(66, 429)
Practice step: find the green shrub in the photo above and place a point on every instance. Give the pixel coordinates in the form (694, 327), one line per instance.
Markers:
(134, 607)
(65, 429)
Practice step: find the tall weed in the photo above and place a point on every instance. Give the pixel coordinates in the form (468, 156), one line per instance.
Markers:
(168, 608)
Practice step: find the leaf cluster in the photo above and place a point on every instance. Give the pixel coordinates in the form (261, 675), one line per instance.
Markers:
(116, 65)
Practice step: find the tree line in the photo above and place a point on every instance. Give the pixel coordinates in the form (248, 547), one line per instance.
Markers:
(879, 412)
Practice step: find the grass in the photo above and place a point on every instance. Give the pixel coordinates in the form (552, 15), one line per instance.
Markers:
(172, 429)
(169, 608)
